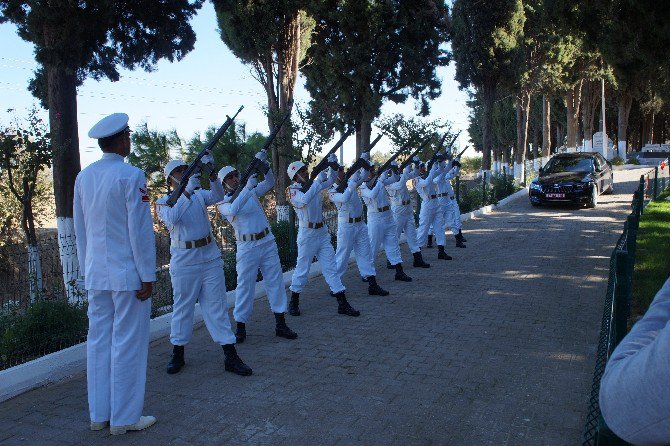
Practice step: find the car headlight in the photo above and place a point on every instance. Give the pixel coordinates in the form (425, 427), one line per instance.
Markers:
(536, 186)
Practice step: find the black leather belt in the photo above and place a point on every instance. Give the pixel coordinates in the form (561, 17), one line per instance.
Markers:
(189, 244)
(384, 209)
(434, 196)
(311, 225)
(445, 194)
(355, 220)
(252, 237)
(406, 202)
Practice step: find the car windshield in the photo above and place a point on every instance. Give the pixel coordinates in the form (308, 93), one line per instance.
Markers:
(557, 164)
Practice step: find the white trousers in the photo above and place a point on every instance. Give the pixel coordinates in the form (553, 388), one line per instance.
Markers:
(250, 259)
(354, 236)
(404, 221)
(205, 283)
(453, 212)
(430, 215)
(315, 243)
(382, 230)
(116, 355)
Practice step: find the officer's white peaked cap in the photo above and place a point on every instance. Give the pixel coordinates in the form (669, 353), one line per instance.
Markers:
(225, 170)
(172, 165)
(109, 126)
(293, 168)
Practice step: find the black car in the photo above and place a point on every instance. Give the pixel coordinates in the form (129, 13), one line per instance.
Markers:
(572, 178)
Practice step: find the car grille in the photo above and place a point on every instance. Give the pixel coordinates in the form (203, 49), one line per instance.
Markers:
(560, 189)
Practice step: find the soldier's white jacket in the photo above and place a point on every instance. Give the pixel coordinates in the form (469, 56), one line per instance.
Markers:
(188, 220)
(307, 205)
(443, 180)
(398, 192)
(348, 203)
(115, 244)
(425, 186)
(376, 198)
(246, 213)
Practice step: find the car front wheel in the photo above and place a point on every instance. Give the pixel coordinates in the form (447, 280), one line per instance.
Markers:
(593, 202)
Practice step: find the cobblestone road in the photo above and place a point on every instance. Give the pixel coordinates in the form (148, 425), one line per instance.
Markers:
(494, 347)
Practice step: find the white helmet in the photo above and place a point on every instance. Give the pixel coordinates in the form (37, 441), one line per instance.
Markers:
(225, 170)
(172, 165)
(293, 168)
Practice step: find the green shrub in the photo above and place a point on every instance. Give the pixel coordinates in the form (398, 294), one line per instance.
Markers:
(618, 161)
(633, 160)
(46, 326)
(471, 164)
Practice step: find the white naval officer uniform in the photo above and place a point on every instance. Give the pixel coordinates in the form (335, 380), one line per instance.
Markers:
(196, 269)
(313, 236)
(429, 215)
(381, 226)
(256, 248)
(352, 232)
(401, 206)
(452, 215)
(117, 252)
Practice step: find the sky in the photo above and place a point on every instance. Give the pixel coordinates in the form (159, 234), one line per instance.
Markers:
(189, 95)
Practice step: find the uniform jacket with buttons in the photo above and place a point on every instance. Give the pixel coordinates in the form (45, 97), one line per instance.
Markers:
(307, 205)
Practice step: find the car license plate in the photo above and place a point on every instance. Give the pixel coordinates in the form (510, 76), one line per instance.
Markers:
(555, 195)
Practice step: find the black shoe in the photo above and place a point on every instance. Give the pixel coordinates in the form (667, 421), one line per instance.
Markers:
(241, 333)
(441, 254)
(460, 244)
(281, 329)
(460, 236)
(430, 242)
(374, 289)
(389, 266)
(343, 306)
(234, 363)
(418, 261)
(294, 305)
(177, 361)
(400, 274)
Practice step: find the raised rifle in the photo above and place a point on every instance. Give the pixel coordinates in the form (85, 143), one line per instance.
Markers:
(196, 166)
(462, 152)
(256, 165)
(360, 162)
(408, 160)
(374, 143)
(323, 164)
(372, 181)
(437, 156)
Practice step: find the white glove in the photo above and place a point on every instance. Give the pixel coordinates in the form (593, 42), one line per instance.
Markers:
(365, 156)
(322, 177)
(407, 170)
(262, 155)
(207, 158)
(355, 178)
(193, 183)
(252, 182)
(416, 159)
(332, 158)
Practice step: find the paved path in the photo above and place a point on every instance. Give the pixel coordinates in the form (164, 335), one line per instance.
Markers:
(494, 347)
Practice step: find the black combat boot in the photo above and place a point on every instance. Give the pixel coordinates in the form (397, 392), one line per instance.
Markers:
(177, 361)
(460, 236)
(241, 332)
(459, 243)
(294, 304)
(400, 274)
(234, 363)
(441, 254)
(418, 261)
(374, 289)
(343, 306)
(388, 265)
(430, 241)
(281, 329)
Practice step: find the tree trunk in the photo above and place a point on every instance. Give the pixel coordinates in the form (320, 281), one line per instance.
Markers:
(62, 99)
(488, 97)
(34, 262)
(572, 102)
(546, 126)
(624, 104)
(522, 117)
(590, 100)
(658, 129)
(363, 130)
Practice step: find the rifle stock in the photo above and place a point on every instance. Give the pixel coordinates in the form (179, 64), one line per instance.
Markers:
(411, 155)
(372, 181)
(195, 164)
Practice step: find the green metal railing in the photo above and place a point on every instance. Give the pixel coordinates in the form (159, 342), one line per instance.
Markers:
(614, 324)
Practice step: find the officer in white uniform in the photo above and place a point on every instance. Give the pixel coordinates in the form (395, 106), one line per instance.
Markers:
(429, 215)
(196, 267)
(313, 237)
(256, 249)
(456, 224)
(403, 214)
(117, 257)
(381, 226)
(352, 232)
(447, 202)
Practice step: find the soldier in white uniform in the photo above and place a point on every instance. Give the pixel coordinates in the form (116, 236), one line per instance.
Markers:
(403, 214)
(256, 249)
(455, 214)
(446, 200)
(381, 226)
(117, 257)
(352, 232)
(196, 268)
(313, 237)
(429, 215)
